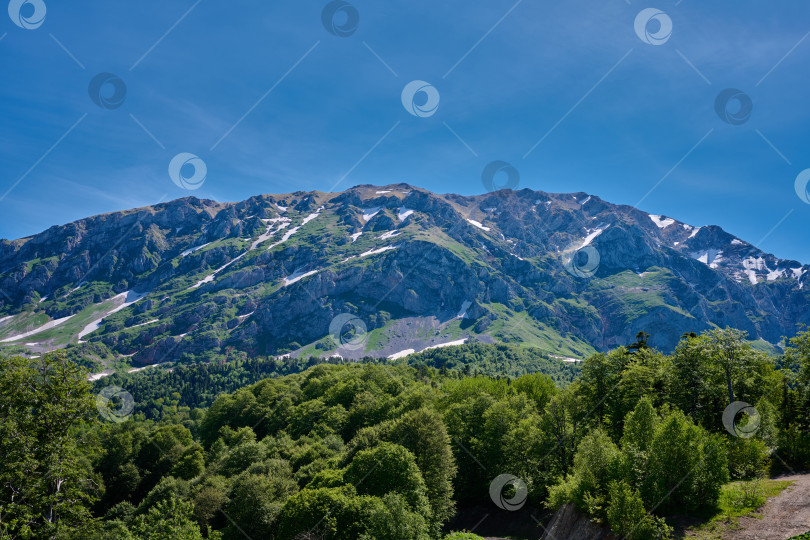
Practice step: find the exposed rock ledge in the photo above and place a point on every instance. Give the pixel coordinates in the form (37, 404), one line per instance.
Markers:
(569, 524)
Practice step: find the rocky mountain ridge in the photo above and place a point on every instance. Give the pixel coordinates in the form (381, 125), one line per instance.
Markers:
(383, 271)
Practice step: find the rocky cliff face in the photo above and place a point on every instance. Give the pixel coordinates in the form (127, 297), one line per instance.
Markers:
(397, 267)
(569, 524)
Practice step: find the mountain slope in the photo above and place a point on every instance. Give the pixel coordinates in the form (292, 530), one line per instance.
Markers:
(391, 269)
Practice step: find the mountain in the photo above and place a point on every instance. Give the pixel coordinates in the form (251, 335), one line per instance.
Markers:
(384, 271)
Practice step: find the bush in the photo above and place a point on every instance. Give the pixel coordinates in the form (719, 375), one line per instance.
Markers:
(686, 466)
(748, 458)
(794, 446)
(596, 464)
(341, 514)
(628, 518)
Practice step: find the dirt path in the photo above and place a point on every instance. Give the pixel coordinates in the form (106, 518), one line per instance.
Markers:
(783, 516)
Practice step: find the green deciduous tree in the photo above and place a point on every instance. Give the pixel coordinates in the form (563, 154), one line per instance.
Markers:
(395, 519)
(389, 468)
(599, 382)
(191, 463)
(691, 381)
(727, 348)
(423, 433)
(256, 501)
(328, 513)
(639, 432)
(538, 387)
(596, 463)
(628, 518)
(685, 466)
(46, 483)
(171, 519)
(210, 496)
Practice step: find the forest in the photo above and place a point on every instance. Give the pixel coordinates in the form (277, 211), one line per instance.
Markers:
(385, 450)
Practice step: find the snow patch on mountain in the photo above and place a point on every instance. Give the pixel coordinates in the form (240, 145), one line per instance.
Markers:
(710, 257)
(773, 275)
(758, 263)
(378, 251)
(312, 216)
(210, 277)
(566, 359)
(369, 213)
(96, 376)
(406, 352)
(128, 298)
(390, 234)
(592, 233)
(478, 224)
(753, 265)
(291, 232)
(448, 344)
(287, 236)
(660, 221)
(464, 307)
(298, 275)
(77, 287)
(752, 276)
(189, 251)
(401, 354)
(283, 223)
(145, 323)
(270, 232)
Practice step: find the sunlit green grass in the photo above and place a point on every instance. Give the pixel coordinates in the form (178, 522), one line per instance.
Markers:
(738, 499)
(62, 334)
(23, 322)
(521, 328)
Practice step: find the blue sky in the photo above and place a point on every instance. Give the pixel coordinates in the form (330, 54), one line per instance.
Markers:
(618, 117)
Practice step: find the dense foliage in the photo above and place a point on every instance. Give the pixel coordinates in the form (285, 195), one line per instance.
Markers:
(379, 451)
(161, 391)
(496, 360)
